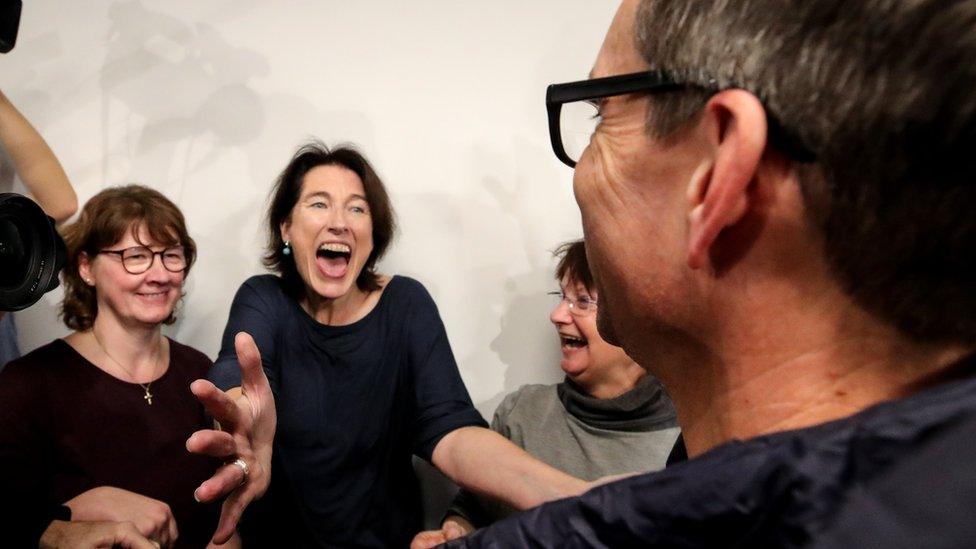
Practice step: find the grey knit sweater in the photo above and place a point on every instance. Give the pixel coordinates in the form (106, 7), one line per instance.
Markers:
(581, 435)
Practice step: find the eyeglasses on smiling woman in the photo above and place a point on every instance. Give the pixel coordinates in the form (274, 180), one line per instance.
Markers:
(574, 110)
(138, 259)
(579, 306)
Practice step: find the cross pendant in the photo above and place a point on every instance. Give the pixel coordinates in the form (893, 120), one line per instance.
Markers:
(148, 397)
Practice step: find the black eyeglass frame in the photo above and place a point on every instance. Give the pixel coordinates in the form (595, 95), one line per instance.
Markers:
(648, 81)
(162, 259)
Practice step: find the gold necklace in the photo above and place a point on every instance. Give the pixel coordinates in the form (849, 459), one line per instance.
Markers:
(148, 396)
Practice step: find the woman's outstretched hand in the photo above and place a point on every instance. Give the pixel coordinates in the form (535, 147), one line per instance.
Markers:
(247, 420)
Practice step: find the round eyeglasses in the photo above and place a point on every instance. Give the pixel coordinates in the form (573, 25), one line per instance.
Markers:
(579, 306)
(138, 259)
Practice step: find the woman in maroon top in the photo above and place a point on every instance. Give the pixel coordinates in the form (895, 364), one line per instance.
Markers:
(98, 420)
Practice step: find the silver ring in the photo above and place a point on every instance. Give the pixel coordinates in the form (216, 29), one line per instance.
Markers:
(244, 468)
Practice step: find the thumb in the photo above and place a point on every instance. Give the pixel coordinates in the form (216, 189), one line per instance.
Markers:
(453, 531)
(427, 539)
(249, 358)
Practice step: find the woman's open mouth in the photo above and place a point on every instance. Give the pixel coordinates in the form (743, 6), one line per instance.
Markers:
(333, 259)
(571, 343)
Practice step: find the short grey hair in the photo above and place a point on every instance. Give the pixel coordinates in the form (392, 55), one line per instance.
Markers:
(884, 93)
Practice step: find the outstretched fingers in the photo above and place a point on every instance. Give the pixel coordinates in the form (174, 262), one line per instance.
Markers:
(218, 444)
(230, 514)
(247, 419)
(217, 402)
(228, 478)
(248, 356)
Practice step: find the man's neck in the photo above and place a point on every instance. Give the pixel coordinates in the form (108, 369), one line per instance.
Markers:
(791, 373)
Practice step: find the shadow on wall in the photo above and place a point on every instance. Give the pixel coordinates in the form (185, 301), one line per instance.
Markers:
(178, 96)
(525, 342)
(199, 288)
(209, 102)
(203, 81)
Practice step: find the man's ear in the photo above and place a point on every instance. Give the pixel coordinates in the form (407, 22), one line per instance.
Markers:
(735, 122)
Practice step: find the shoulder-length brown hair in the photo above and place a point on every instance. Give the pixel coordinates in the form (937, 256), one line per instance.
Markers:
(105, 220)
(287, 190)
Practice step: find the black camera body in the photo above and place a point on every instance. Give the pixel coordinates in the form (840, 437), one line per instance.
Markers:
(32, 252)
(9, 23)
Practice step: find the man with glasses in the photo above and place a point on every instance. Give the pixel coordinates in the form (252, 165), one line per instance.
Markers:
(778, 209)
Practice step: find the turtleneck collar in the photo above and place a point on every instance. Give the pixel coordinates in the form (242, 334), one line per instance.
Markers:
(646, 407)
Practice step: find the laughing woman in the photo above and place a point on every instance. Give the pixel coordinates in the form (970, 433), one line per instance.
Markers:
(362, 374)
(608, 417)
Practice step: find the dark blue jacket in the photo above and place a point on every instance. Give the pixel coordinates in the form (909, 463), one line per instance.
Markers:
(786, 489)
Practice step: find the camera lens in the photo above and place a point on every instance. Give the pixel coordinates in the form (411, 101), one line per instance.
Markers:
(31, 252)
(14, 252)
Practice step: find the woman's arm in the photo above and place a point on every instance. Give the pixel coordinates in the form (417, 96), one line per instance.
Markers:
(469, 511)
(36, 164)
(94, 534)
(151, 517)
(485, 462)
(448, 429)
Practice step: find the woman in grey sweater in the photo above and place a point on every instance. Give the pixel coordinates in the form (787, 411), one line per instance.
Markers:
(607, 417)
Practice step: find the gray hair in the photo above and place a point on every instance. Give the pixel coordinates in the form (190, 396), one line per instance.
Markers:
(884, 94)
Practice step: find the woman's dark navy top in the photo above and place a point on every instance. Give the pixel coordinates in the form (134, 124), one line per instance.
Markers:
(354, 404)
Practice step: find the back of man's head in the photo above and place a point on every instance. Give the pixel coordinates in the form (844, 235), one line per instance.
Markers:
(883, 93)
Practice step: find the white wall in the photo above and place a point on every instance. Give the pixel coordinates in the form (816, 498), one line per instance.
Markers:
(206, 100)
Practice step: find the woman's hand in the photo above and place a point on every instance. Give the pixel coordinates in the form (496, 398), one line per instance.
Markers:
(92, 535)
(454, 527)
(247, 419)
(151, 517)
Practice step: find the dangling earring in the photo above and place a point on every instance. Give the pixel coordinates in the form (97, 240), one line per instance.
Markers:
(287, 249)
